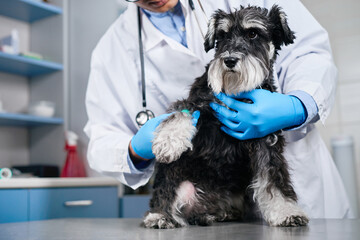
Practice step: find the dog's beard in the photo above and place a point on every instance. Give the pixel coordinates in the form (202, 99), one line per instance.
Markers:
(248, 73)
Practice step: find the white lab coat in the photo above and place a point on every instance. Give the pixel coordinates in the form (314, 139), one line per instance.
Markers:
(114, 95)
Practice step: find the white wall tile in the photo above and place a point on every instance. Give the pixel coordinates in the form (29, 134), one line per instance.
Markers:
(349, 103)
(342, 21)
(346, 53)
(327, 132)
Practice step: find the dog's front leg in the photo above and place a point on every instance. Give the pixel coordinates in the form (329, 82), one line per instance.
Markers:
(272, 187)
(173, 137)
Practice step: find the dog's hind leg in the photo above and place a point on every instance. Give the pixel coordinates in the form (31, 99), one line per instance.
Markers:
(169, 208)
(173, 137)
(272, 188)
(160, 214)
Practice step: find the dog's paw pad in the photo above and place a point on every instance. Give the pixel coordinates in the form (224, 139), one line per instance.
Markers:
(157, 220)
(295, 221)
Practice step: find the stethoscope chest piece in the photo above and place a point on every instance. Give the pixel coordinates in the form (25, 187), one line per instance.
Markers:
(143, 116)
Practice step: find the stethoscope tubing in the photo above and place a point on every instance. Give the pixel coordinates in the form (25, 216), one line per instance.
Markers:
(140, 120)
(145, 115)
(142, 65)
(192, 6)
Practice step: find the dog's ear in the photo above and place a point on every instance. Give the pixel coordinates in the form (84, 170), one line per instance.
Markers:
(281, 33)
(210, 37)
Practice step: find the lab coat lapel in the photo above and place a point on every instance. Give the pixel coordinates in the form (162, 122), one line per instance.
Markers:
(153, 36)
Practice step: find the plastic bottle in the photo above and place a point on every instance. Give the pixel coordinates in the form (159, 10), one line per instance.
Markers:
(15, 43)
(73, 167)
(1, 105)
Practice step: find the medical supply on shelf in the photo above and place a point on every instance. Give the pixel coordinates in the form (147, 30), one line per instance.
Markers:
(1, 107)
(42, 109)
(10, 44)
(5, 173)
(73, 167)
(32, 55)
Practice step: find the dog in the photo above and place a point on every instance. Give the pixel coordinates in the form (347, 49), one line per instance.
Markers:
(204, 175)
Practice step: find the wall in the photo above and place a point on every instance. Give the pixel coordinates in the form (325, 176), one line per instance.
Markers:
(88, 21)
(342, 21)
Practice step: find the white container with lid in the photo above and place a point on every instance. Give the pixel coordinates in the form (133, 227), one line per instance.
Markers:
(42, 109)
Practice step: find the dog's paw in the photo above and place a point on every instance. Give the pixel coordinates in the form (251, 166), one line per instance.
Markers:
(288, 216)
(204, 220)
(157, 220)
(173, 137)
(295, 221)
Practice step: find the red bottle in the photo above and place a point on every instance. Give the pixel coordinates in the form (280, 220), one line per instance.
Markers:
(73, 167)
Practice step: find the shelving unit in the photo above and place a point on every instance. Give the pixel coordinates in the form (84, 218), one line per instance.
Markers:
(43, 26)
(25, 66)
(24, 120)
(27, 10)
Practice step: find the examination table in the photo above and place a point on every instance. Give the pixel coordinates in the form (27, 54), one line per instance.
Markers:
(122, 228)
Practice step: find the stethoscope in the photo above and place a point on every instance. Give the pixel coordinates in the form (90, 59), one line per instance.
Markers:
(145, 115)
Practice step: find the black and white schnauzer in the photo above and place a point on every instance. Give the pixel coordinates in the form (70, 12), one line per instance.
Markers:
(204, 175)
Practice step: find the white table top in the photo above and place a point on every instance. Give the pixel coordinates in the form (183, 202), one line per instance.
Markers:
(122, 228)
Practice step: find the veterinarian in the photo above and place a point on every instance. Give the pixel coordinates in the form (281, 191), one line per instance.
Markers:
(172, 43)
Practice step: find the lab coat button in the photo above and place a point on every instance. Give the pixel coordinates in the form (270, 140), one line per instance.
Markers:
(182, 29)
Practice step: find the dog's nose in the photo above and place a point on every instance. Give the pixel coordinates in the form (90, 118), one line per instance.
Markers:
(230, 62)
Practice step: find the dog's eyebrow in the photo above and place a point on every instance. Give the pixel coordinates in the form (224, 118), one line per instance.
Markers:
(253, 23)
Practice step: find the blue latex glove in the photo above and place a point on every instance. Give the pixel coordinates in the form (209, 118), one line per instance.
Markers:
(269, 112)
(141, 143)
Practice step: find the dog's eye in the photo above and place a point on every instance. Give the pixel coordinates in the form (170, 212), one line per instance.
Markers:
(252, 34)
